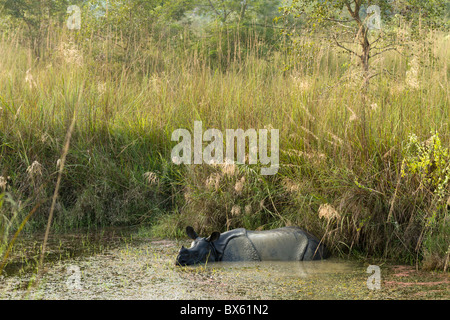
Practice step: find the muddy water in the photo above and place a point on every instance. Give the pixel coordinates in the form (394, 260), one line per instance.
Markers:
(144, 269)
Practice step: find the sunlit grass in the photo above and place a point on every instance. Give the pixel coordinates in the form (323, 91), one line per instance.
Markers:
(329, 153)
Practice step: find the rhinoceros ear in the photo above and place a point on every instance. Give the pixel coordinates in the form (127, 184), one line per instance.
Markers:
(191, 233)
(213, 237)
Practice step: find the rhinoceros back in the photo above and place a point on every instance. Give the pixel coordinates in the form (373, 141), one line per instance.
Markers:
(284, 244)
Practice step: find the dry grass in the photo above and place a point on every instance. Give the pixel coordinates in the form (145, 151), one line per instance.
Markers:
(119, 170)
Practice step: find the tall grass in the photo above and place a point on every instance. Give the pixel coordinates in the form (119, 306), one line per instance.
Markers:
(118, 170)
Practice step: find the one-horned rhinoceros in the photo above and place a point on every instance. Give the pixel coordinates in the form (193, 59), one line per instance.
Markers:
(288, 243)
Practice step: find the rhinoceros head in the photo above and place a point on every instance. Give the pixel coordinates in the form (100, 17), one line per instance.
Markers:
(201, 250)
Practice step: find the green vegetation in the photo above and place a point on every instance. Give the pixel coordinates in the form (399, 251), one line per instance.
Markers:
(359, 168)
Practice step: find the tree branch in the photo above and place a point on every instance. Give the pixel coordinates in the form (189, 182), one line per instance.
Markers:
(243, 8)
(375, 41)
(340, 22)
(225, 13)
(378, 73)
(345, 48)
(347, 3)
(214, 8)
(336, 20)
(382, 51)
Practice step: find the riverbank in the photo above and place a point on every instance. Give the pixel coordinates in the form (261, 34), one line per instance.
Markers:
(135, 267)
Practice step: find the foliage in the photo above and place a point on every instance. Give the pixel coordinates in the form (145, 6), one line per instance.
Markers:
(137, 70)
(232, 11)
(429, 160)
(364, 23)
(35, 13)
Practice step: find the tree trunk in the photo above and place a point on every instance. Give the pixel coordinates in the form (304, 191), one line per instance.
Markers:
(365, 56)
(243, 8)
(362, 36)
